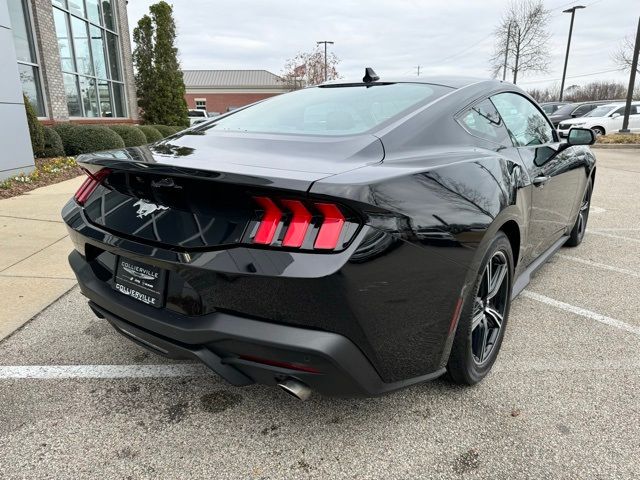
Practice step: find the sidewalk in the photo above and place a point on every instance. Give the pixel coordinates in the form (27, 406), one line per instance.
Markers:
(34, 246)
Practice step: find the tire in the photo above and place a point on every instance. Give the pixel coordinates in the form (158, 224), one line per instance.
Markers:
(598, 131)
(580, 227)
(469, 362)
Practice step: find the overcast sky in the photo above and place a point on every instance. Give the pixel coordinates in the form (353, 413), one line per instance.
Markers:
(393, 37)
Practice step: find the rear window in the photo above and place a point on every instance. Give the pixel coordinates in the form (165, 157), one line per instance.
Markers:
(196, 113)
(339, 110)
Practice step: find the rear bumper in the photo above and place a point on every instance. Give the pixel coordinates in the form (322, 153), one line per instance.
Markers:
(220, 340)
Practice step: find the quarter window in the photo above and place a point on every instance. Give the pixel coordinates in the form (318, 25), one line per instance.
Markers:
(28, 66)
(90, 57)
(526, 125)
(483, 120)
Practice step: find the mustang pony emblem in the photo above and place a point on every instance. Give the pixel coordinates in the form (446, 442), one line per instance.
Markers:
(147, 208)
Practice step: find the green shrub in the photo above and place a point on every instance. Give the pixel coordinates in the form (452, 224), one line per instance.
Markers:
(176, 129)
(36, 131)
(52, 144)
(164, 130)
(131, 136)
(90, 138)
(152, 134)
(65, 131)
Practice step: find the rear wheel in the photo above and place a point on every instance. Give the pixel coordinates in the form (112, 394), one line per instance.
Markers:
(580, 227)
(484, 316)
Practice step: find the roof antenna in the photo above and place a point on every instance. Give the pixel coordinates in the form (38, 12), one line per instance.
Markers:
(370, 75)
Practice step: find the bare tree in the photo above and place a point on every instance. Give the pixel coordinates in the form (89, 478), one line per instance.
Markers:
(599, 90)
(307, 68)
(623, 56)
(522, 36)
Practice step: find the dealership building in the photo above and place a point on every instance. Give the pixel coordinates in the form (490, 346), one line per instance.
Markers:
(220, 91)
(71, 58)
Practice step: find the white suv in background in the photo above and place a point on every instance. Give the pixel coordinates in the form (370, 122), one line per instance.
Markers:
(604, 119)
(197, 116)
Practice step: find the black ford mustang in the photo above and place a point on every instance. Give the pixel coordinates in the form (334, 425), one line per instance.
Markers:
(350, 238)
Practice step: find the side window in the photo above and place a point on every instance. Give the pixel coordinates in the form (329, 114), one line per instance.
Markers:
(620, 111)
(525, 123)
(583, 110)
(483, 120)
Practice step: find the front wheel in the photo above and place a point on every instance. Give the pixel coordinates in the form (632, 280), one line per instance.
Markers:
(484, 316)
(598, 131)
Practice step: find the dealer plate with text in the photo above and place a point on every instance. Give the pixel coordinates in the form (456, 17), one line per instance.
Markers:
(143, 282)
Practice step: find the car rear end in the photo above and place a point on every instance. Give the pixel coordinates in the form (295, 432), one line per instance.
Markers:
(214, 246)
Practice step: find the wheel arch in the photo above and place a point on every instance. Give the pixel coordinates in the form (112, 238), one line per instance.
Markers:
(512, 230)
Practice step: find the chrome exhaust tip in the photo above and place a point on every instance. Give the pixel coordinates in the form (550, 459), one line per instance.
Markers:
(295, 388)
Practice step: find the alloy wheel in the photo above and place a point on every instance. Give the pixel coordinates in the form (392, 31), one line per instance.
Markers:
(489, 307)
(584, 213)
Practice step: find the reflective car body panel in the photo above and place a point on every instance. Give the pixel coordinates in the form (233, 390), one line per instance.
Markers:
(424, 197)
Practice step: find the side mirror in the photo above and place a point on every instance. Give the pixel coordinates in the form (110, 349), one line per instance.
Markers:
(615, 115)
(581, 136)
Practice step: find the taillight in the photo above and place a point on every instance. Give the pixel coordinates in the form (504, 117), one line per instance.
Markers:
(90, 184)
(319, 226)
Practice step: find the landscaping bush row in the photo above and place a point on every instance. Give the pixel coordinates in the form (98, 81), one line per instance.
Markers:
(70, 139)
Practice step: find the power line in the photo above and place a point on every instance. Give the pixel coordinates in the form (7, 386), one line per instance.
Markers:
(573, 76)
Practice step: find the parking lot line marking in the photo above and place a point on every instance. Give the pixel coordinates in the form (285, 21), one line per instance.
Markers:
(610, 235)
(613, 230)
(583, 312)
(599, 265)
(103, 371)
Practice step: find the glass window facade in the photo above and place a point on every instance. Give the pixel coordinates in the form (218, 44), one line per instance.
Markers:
(28, 66)
(90, 57)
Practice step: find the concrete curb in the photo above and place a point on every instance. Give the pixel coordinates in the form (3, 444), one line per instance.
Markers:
(616, 146)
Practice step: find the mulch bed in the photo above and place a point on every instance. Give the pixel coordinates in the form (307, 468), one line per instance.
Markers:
(44, 178)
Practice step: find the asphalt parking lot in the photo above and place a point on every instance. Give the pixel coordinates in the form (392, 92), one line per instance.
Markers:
(77, 400)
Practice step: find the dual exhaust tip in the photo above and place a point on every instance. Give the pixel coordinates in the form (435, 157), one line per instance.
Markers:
(295, 388)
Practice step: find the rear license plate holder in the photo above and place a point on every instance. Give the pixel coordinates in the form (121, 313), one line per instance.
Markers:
(140, 281)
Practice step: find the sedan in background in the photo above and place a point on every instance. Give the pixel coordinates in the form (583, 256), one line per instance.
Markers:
(604, 119)
(351, 238)
(574, 110)
(550, 107)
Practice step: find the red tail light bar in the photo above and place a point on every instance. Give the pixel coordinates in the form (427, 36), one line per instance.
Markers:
(328, 223)
(90, 184)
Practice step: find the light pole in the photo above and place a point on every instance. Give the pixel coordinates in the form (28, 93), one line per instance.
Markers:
(572, 11)
(632, 82)
(325, 56)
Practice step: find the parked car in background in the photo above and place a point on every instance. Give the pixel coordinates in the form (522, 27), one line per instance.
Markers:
(604, 119)
(197, 116)
(550, 107)
(574, 110)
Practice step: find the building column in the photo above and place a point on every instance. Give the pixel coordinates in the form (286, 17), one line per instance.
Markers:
(127, 59)
(47, 43)
(17, 156)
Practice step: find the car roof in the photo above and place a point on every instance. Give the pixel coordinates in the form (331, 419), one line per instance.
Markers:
(452, 81)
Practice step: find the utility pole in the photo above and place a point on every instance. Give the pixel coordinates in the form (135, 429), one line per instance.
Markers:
(325, 56)
(506, 53)
(572, 11)
(632, 82)
(418, 68)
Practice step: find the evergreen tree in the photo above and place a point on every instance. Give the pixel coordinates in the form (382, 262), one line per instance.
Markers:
(159, 79)
(36, 130)
(143, 60)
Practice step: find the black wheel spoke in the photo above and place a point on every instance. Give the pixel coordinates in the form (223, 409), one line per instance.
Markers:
(489, 307)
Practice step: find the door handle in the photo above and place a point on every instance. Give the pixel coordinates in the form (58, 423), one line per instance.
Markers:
(540, 181)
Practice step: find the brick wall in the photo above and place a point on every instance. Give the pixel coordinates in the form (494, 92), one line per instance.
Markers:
(125, 49)
(219, 102)
(47, 43)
